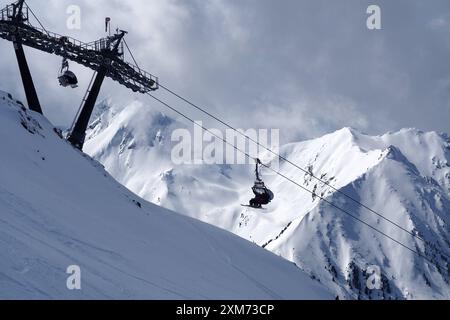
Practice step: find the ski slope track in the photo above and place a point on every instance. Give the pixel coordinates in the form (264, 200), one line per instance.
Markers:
(58, 208)
(404, 176)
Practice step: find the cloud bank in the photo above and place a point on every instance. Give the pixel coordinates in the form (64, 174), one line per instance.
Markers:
(304, 66)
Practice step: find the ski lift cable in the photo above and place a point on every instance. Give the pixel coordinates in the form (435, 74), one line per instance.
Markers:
(131, 53)
(348, 213)
(291, 163)
(419, 254)
(278, 155)
(37, 19)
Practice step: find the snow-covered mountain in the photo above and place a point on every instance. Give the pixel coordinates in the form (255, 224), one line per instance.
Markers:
(404, 176)
(60, 208)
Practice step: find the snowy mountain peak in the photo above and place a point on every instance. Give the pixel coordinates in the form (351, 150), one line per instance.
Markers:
(59, 208)
(404, 176)
(136, 124)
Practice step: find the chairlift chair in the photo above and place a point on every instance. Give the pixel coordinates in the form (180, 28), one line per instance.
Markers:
(66, 77)
(263, 195)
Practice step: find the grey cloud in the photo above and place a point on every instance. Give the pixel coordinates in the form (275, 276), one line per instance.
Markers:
(304, 66)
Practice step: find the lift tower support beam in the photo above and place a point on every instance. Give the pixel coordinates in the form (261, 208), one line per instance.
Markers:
(78, 134)
(104, 56)
(109, 46)
(27, 79)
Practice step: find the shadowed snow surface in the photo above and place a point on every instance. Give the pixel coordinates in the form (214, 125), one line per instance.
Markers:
(60, 208)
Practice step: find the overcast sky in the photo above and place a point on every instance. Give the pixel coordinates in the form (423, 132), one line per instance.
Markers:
(307, 67)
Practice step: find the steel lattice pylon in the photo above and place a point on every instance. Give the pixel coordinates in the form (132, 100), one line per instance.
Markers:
(104, 56)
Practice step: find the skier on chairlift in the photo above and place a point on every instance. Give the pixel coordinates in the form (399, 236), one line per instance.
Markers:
(66, 77)
(263, 195)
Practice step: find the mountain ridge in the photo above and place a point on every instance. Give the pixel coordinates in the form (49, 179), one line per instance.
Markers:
(60, 208)
(374, 170)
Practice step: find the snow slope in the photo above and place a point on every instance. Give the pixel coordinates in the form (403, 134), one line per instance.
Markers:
(405, 176)
(59, 208)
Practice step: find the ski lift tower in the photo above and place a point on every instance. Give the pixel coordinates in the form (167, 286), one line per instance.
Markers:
(105, 57)
(111, 49)
(17, 15)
